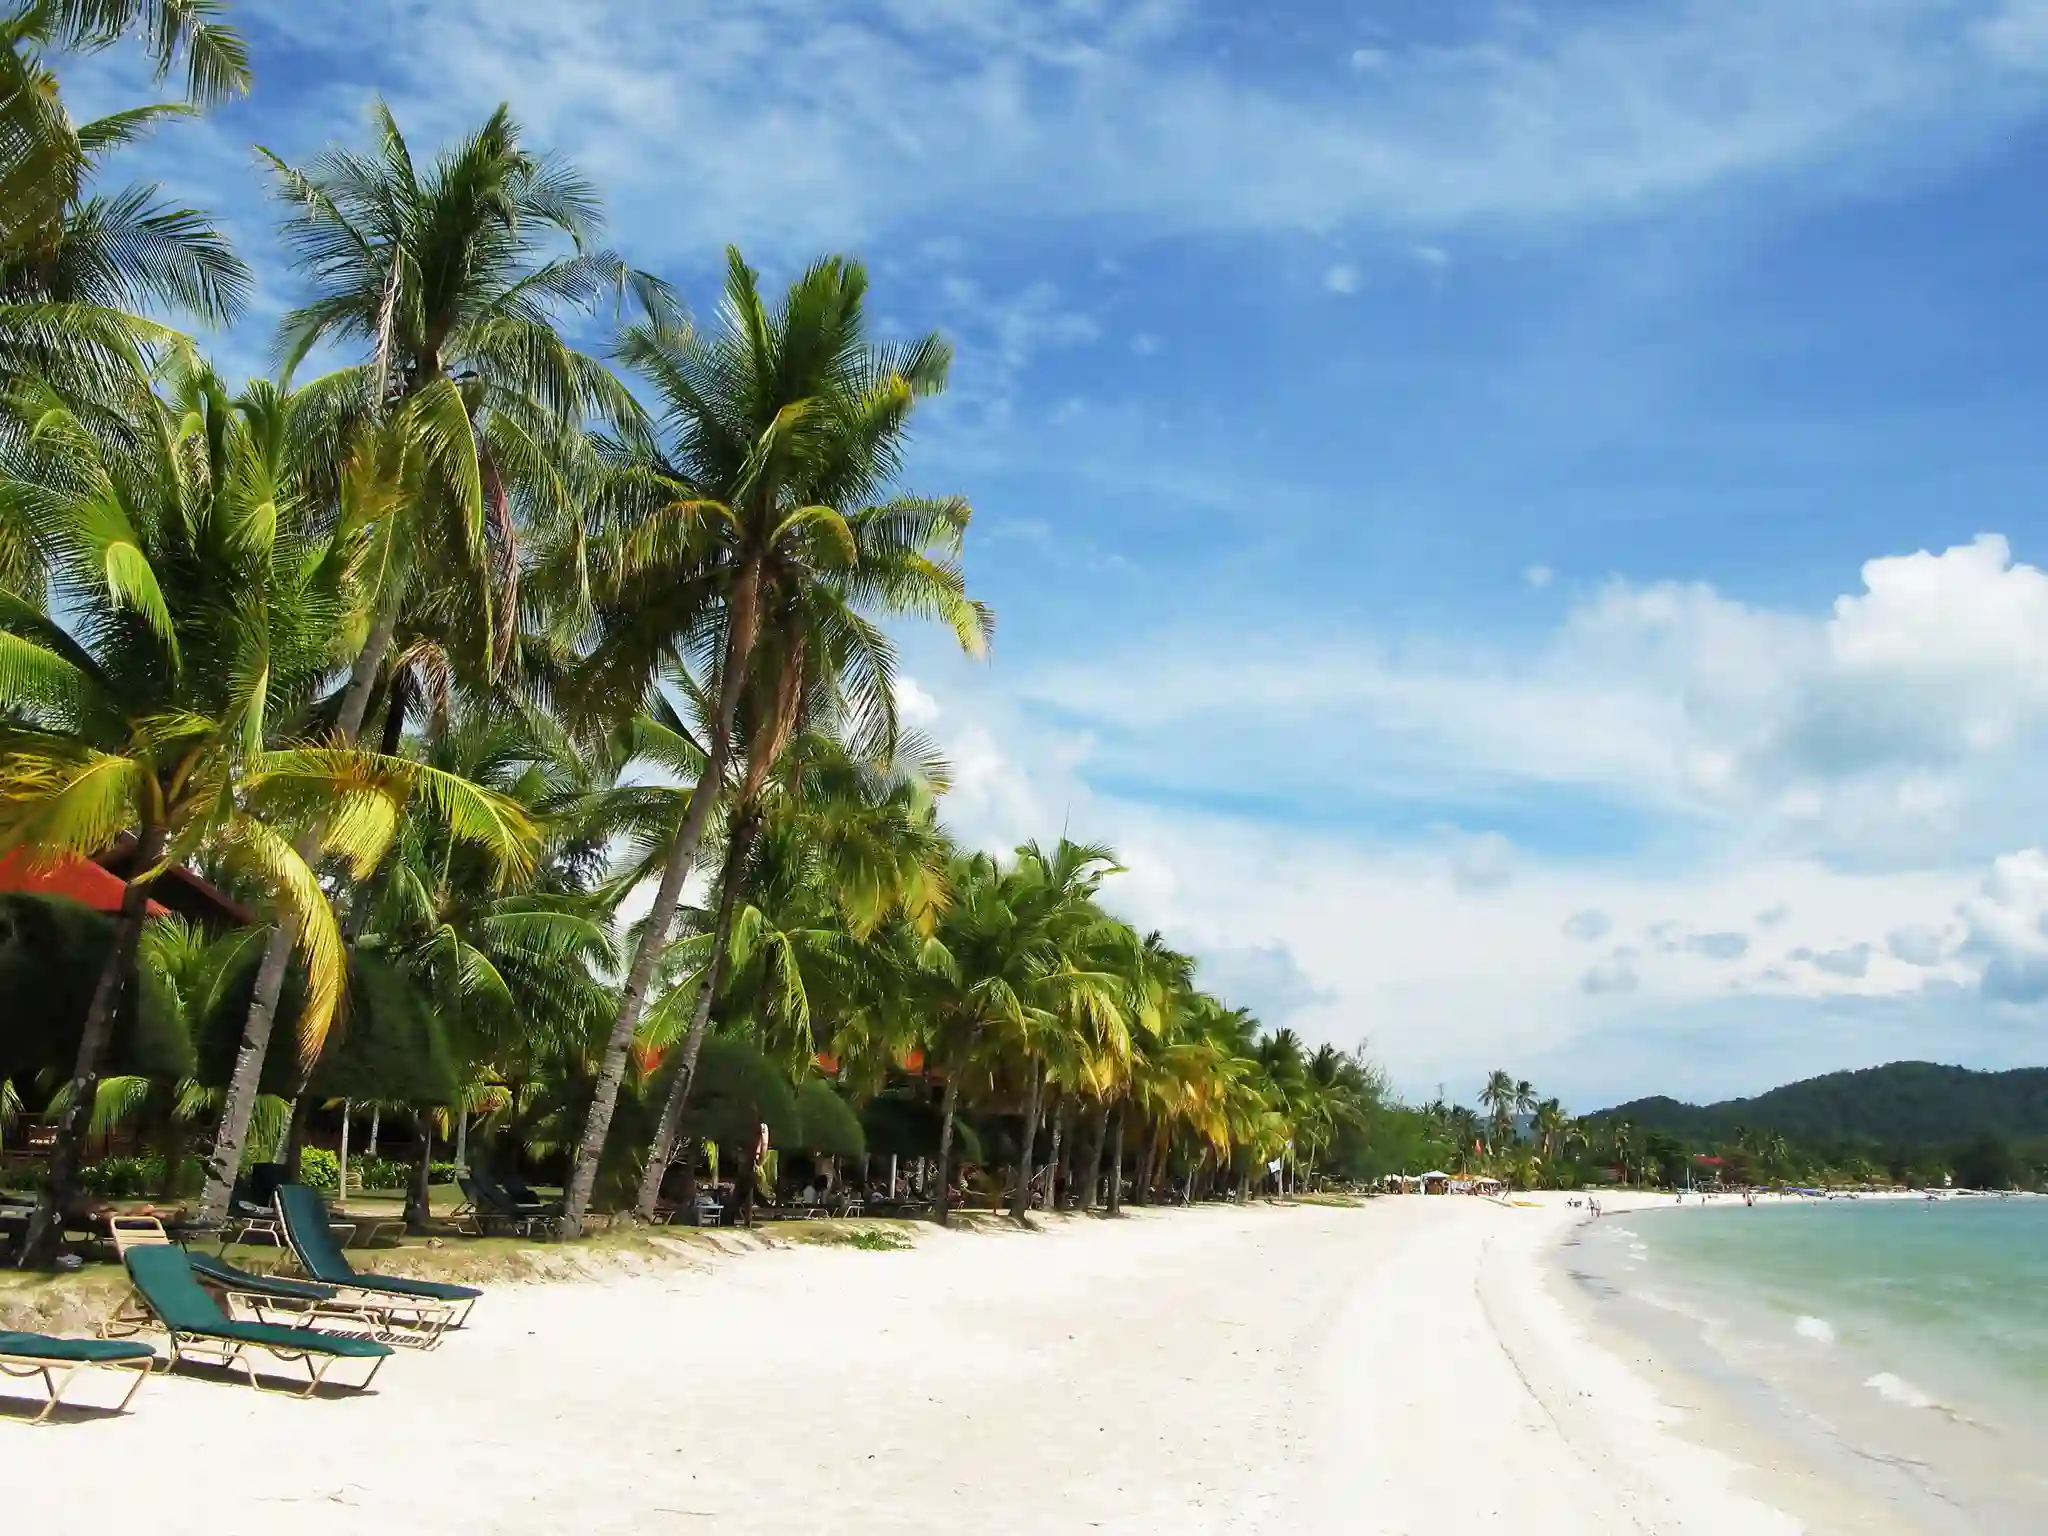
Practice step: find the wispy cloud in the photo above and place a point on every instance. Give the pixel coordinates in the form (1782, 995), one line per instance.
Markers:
(711, 120)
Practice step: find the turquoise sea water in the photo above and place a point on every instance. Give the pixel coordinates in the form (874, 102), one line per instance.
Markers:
(1905, 1340)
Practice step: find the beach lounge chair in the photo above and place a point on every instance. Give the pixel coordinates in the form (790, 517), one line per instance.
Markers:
(197, 1325)
(56, 1361)
(252, 1216)
(493, 1204)
(430, 1306)
(270, 1298)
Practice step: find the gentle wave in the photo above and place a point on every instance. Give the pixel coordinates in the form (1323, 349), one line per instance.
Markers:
(1818, 1329)
(1896, 1389)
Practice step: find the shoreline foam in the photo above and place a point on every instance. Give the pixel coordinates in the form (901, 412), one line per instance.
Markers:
(1806, 1374)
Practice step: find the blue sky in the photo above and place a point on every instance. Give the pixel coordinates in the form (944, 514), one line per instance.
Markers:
(1519, 520)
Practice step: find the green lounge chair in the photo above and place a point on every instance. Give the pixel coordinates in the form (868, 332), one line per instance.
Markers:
(56, 1361)
(296, 1301)
(431, 1305)
(193, 1318)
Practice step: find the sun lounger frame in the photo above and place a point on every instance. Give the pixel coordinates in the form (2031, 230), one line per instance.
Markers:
(419, 1321)
(58, 1374)
(229, 1353)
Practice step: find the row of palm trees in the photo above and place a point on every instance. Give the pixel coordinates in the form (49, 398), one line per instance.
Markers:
(443, 657)
(1529, 1140)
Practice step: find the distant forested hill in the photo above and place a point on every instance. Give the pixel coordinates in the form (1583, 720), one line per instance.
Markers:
(1909, 1103)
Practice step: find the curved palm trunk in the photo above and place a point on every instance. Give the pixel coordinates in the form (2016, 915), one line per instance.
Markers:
(940, 1204)
(654, 937)
(1020, 1192)
(1116, 1159)
(225, 1162)
(661, 1152)
(60, 1190)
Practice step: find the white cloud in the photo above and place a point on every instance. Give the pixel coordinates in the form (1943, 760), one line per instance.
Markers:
(1900, 725)
(1446, 979)
(1482, 863)
(1614, 974)
(1719, 946)
(1587, 926)
(1145, 344)
(1341, 278)
(2018, 33)
(914, 704)
(1917, 945)
(1851, 961)
(1370, 61)
(2007, 928)
(1539, 576)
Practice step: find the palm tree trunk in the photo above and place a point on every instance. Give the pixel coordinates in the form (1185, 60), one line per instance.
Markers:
(245, 1083)
(1155, 1175)
(743, 616)
(376, 1125)
(662, 1149)
(226, 1160)
(940, 1204)
(295, 1135)
(1020, 1194)
(689, 1150)
(1116, 1159)
(419, 1211)
(46, 1225)
(1056, 1120)
(1098, 1128)
(1063, 1178)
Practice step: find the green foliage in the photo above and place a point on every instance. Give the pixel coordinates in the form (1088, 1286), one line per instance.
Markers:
(1908, 1103)
(387, 1046)
(828, 1125)
(123, 1178)
(380, 1173)
(320, 1168)
(390, 1046)
(1991, 1163)
(736, 1091)
(904, 1123)
(51, 954)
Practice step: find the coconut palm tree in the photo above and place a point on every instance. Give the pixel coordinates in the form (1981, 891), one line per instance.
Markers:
(44, 158)
(512, 971)
(189, 607)
(769, 530)
(1550, 1126)
(813, 867)
(457, 277)
(72, 265)
(1498, 1099)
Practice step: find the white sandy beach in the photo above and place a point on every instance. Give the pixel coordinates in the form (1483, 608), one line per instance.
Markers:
(1406, 1367)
